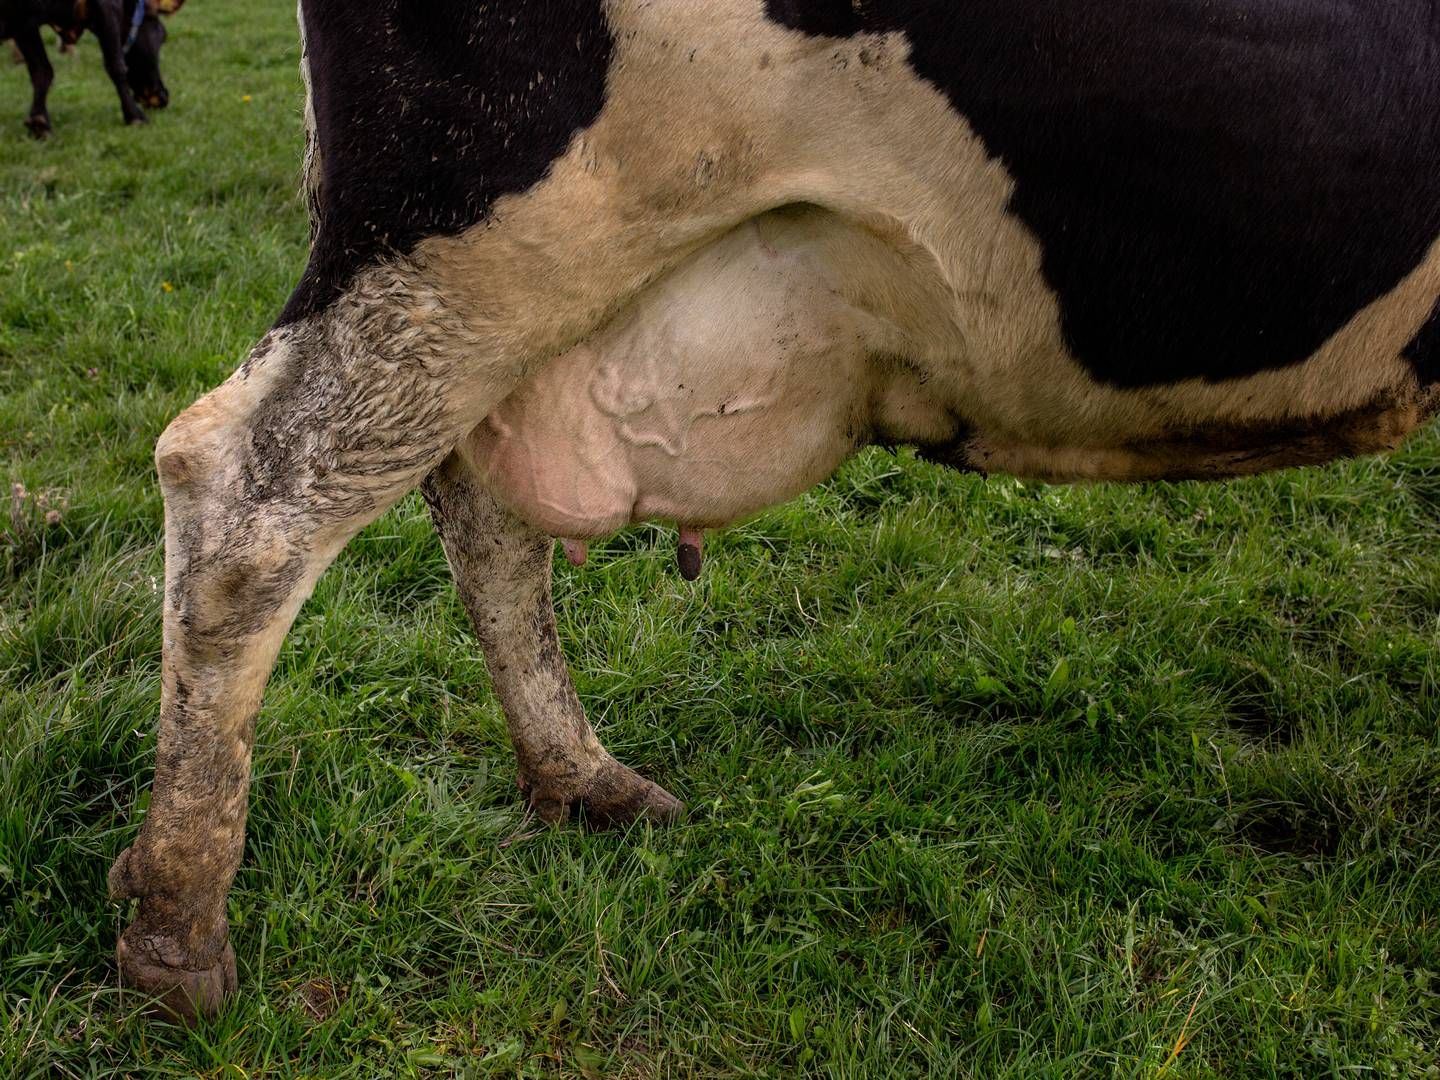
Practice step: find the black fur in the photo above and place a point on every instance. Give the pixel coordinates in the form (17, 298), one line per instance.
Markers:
(1424, 352)
(142, 62)
(1218, 185)
(135, 73)
(416, 138)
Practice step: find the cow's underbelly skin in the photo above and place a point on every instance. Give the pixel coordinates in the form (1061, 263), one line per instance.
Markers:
(750, 373)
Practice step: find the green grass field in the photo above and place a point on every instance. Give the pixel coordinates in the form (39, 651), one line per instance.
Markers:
(985, 778)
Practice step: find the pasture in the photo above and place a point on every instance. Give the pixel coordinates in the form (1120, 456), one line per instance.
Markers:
(984, 778)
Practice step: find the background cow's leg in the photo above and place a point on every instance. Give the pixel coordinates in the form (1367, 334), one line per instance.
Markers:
(32, 48)
(265, 480)
(106, 23)
(502, 571)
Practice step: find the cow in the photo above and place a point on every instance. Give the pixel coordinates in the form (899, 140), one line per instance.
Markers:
(130, 34)
(577, 264)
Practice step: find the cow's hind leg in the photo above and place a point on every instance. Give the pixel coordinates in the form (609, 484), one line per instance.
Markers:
(265, 480)
(502, 571)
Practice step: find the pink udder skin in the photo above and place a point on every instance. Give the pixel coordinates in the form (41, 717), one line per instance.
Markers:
(738, 382)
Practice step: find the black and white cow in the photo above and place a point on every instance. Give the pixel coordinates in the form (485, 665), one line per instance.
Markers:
(130, 34)
(578, 263)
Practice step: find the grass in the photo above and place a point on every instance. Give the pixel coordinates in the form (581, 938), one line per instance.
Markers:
(986, 779)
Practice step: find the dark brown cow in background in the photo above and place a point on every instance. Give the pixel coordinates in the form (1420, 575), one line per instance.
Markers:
(130, 34)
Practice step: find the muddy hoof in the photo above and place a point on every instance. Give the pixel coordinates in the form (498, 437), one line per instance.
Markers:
(618, 796)
(614, 797)
(180, 994)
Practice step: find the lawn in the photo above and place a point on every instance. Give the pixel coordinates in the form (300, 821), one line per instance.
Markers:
(984, 778)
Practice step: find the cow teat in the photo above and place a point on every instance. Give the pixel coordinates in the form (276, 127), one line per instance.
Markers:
(690, 553)
(576, 551)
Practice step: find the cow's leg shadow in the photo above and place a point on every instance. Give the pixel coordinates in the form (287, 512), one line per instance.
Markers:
(265, 479)
(502, 571)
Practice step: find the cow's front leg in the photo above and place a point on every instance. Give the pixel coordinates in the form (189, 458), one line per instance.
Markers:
(108, 25)
(32, 48)
(265, 480)
(502, 571)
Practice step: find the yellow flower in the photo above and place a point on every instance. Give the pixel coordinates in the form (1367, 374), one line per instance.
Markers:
(167, 287)
(245, 98)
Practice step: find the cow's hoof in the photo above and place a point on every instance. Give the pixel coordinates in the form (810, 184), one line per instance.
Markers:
(137, 117)
(147, 965)
(615, 796)
(39, 126)
(618, 796)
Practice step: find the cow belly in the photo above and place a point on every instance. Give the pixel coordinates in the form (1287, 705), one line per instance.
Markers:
(751, 372)
(1214, 452)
